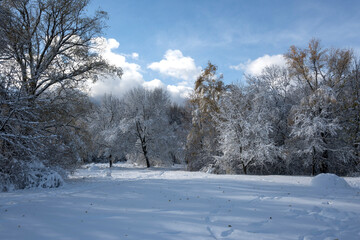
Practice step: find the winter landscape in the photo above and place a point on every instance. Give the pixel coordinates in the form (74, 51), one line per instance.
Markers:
(179, 119)
(129, 202)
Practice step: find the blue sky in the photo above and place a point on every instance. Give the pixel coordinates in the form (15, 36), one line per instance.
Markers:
(162, 39)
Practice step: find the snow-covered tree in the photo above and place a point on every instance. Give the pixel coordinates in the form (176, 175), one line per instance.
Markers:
(104, 124)
(147, 119)
(46, 55)
(348, 114)
(321, 74)
(353, 97)
(180, 122)
(314, 129)
(244, 129)
(142, 126)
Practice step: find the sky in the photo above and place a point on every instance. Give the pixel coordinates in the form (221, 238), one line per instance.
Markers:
(166, 43)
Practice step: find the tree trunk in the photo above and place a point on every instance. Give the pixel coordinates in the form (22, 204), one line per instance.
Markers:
(313, 162)
(323, 165)
(244, 168)
(147, 161)
(143, 147)
(142, 137)
(325, 156)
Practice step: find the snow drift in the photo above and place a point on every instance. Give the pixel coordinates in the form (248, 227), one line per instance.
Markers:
(328, 181)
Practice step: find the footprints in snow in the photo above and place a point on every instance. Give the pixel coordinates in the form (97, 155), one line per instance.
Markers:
(214, 228)
(227, 233)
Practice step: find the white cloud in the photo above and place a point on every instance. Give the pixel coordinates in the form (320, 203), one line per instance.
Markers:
(156, 83)
(131, 71)
(256, 66)
(135, 56)
(179, 93)
(238, 67)
(176, 65)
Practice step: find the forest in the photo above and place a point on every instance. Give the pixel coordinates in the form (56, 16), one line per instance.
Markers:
(302, 119)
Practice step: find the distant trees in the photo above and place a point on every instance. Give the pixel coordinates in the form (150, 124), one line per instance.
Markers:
(142, 126)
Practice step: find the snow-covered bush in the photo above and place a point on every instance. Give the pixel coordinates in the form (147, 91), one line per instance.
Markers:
(21, 175)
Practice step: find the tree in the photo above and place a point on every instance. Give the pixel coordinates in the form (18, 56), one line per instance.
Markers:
(71, 143)
(202, 138)
(272, 94)
(180, 122)
(103, 123)
(142, 127)
(46, 53)
(349, 117)
(322, 74)
(147, 120)
(244, 126)
(355, 113)
(50, 43)
(47, 47)
(276, 91)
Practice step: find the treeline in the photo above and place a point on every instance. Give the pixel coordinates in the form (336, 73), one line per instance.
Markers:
(302, 119)
(299, 119)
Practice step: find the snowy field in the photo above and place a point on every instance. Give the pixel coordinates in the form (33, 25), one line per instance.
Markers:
(140, 204)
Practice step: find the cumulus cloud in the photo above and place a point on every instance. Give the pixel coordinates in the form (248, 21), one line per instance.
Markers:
(256, 66)
(135, 56)
(179, 93)
(176, 65)
(151, 85)
(131, 78)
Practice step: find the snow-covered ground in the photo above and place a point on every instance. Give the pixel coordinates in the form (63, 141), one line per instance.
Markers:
(140, 204)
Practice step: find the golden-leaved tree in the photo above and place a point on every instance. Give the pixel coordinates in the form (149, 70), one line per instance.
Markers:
(317, 120)
(202, 138)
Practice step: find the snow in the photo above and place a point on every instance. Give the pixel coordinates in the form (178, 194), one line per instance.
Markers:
(130, 202)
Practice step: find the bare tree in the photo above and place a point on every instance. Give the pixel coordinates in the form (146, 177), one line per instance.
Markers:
(50, 42)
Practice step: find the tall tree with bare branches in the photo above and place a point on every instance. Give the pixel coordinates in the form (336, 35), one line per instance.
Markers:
(47, 53)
